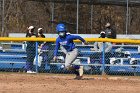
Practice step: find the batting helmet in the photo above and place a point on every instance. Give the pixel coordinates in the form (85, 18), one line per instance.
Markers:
(61, 27)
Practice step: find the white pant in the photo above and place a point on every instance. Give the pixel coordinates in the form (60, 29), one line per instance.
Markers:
(70, 57)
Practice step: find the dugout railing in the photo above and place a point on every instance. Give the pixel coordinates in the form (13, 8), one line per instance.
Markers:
(124, 57)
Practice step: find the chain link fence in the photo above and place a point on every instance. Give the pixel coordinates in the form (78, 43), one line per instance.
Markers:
(97, 58)
(16, 15)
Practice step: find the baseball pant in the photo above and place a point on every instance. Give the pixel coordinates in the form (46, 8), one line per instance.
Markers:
(70, 57)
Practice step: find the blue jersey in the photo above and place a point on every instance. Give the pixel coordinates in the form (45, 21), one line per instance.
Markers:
(67, 43)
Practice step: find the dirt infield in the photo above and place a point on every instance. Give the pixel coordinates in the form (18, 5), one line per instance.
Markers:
(46, 83)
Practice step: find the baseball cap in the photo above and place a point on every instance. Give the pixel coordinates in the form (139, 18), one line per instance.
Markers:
(40, 29)
(107, 25)
(31, 27)
(102, 32)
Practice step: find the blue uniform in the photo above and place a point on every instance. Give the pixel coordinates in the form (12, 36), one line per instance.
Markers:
(67, 43)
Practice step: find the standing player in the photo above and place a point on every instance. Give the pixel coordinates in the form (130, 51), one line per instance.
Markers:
(66, 40)
(110, 31)
(30, 50)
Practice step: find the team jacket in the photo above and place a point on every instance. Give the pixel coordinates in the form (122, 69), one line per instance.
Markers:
(67, 43)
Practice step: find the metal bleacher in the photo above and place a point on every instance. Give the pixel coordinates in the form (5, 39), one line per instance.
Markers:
(13, 56)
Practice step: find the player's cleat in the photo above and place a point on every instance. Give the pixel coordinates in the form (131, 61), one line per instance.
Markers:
(80, 72)
(31, 72)
(78, 77)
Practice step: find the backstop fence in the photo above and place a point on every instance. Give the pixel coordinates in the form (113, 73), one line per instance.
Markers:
(100, 56)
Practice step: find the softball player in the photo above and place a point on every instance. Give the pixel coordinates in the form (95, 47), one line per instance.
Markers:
(66, 40)
(30, 50)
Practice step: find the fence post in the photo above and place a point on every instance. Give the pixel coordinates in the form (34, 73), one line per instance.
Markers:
(103, 59)
(36, 57)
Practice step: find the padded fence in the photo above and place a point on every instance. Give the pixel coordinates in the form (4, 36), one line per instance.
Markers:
(100, 56)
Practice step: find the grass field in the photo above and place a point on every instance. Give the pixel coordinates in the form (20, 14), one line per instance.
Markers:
(64, 83)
